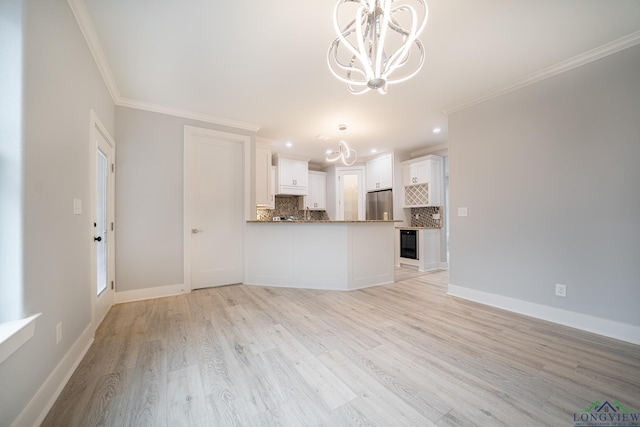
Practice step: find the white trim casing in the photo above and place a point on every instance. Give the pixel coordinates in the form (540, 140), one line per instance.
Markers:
(151, 293)
(605, 327)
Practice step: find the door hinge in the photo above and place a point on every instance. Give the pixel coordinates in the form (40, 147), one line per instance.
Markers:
(112, 285)
(113, 167)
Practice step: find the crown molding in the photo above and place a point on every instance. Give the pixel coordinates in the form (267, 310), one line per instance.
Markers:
(88, 30)
(430, 149)
(265, 141)
(561, 67)
(223, 121)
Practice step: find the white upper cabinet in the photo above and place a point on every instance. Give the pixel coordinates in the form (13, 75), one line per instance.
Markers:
(422, 179)
(292, 176)
(380, 173)
(415, 173)
(264, 195)
(317, 198)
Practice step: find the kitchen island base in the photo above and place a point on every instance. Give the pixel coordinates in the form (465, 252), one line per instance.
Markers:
(320, 255)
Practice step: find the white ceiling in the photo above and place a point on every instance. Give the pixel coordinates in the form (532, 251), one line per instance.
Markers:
(264, 62)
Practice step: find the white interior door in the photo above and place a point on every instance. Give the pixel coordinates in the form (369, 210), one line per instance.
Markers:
(351, 203)
(214, 208)
(103, 213)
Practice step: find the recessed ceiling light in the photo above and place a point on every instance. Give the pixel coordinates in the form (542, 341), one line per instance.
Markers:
(329, 151)
(288, 144)
(437, 130)
(323, 137)
(374, 150)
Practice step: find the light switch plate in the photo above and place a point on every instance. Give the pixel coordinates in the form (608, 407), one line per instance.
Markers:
(77, 207)
(462, 211)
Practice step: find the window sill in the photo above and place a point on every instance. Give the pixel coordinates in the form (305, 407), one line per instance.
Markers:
(15, 333)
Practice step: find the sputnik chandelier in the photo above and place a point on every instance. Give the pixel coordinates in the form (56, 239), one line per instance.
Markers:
(344, 153)
(377, 42)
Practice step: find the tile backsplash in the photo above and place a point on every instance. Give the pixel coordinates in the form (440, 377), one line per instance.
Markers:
(426, 217)
(288, 206)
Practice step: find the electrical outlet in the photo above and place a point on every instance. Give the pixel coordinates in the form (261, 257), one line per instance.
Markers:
(435, 216)
(561, 290)
(462, 212)
(58, 333)
(417, 216)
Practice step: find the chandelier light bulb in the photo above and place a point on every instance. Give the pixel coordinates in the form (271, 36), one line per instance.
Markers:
(378, 46)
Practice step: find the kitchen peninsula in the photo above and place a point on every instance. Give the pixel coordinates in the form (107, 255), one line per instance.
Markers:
(332, 255)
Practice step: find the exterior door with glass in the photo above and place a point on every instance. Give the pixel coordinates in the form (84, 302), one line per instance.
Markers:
(351, 204)
(103, 220)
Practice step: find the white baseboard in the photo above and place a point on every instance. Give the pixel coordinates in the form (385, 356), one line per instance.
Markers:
(150, 293)
(605, 327)
(38, 408)
(444, 265)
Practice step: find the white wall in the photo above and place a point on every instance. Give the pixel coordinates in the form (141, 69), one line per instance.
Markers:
(11, 51)
(61, 85)
(551, 178)
(149, 197)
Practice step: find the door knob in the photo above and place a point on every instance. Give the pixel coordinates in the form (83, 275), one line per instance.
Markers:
(98, 239)
(195, 231)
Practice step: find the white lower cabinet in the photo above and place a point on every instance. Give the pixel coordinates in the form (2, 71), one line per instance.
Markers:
(428, 249)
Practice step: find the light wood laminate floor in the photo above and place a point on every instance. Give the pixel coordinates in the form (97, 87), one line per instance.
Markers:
(396, 355)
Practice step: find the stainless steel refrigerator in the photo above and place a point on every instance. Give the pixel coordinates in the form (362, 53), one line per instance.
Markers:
(380, 203)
